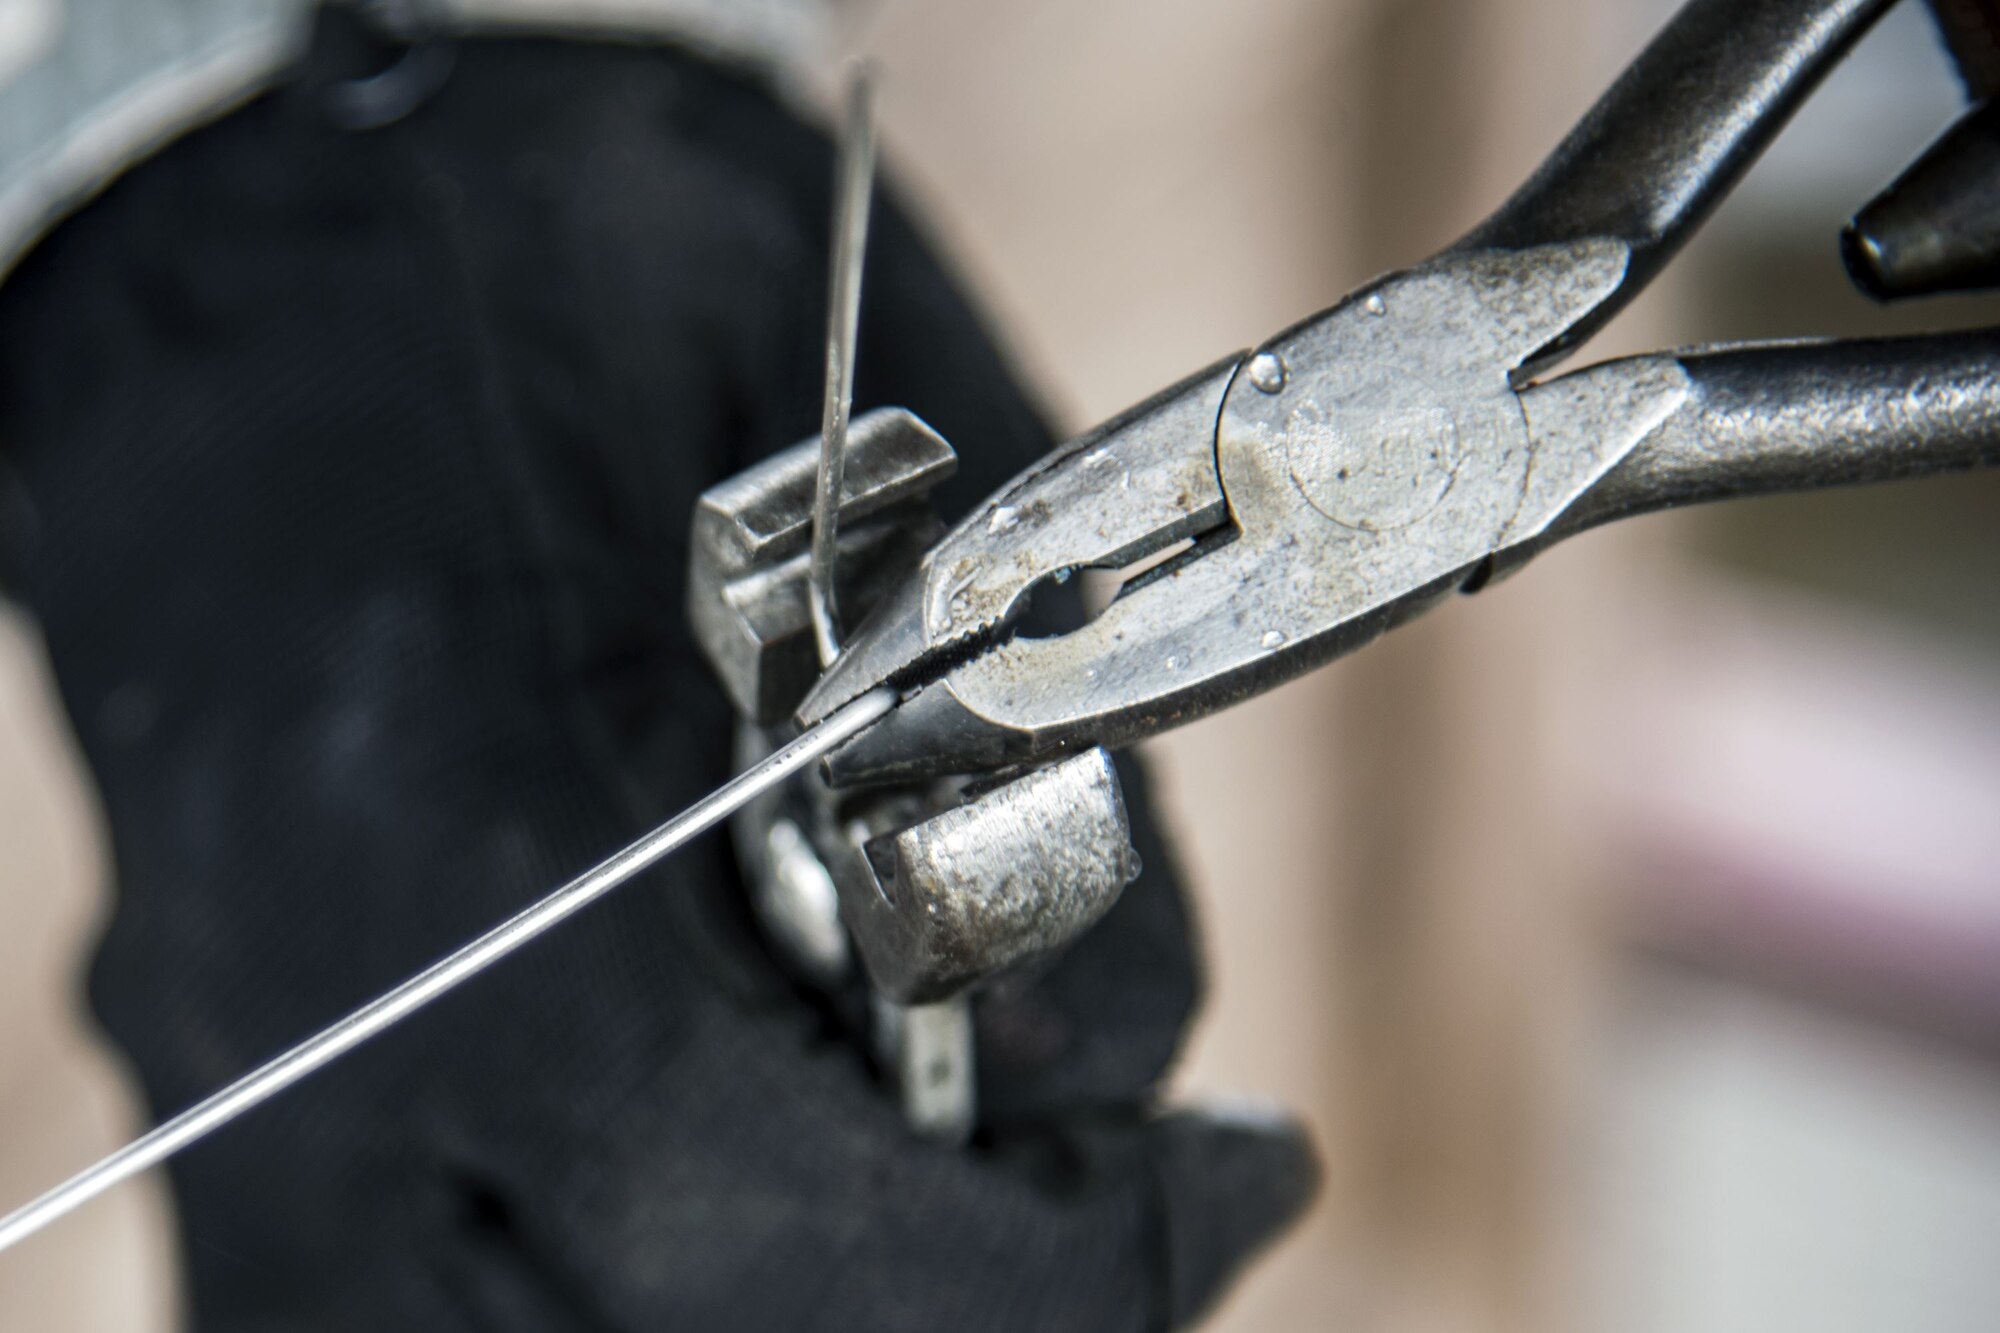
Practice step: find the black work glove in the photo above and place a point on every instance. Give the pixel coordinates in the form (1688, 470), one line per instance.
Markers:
(360, 467)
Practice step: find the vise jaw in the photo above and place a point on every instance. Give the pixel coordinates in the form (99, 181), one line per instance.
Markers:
(934, 887)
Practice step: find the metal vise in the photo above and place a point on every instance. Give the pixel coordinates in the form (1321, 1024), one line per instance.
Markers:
(935, 887)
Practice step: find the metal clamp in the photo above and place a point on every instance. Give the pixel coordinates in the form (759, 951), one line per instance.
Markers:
(932, 887)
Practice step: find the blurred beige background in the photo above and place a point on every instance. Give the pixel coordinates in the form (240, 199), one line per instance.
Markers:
(1542, 910)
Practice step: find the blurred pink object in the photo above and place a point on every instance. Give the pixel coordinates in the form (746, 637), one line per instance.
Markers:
(1814, 797)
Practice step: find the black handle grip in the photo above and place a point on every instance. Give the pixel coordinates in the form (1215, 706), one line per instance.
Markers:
(1674, 134)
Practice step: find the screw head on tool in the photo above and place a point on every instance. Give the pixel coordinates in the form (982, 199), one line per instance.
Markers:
(1267, 371)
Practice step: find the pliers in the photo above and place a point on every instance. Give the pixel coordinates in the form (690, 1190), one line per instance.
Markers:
(1287, 504)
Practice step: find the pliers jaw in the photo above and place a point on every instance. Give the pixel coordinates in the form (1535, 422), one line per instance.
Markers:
(1337, 479)
(1118, 495)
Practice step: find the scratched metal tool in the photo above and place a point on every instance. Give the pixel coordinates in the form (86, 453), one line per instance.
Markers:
(1289, 503)
(917, 895)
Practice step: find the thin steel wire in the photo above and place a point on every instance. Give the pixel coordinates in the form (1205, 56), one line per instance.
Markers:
(854, 192)
(372, 1018)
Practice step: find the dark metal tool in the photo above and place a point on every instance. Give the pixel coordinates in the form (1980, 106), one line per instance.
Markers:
(1936, 228)
(1289, 503)
(931, 887)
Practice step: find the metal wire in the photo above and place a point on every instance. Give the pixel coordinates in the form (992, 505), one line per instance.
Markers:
(843, 316)
(328, 1045)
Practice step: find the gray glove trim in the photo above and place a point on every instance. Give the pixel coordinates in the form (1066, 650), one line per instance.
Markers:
(102, 84)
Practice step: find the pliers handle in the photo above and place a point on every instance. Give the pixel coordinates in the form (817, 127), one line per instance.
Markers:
(1674, 134)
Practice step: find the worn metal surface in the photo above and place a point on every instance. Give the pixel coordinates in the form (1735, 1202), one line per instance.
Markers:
(1754, 420)
(763, 514)
(1124, 491)
(930, 1048)
(1007, 877)
(1937, 227)
(747, 571)
(1388, 459)
(933, 892)
(795, 899)
(1675, 132)
(1396, 448)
